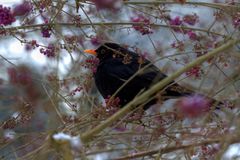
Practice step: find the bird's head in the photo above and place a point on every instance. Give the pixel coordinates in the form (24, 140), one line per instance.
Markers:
(105, 50)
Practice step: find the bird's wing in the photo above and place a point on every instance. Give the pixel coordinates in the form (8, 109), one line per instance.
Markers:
(116, 69)
(145, 79)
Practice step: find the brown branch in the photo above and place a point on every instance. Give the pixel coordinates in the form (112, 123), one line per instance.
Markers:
(106, 24)
(211, 5)
(167, 149)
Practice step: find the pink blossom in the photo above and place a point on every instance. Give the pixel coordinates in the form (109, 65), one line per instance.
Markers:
(192, 35)
(176, 21)
(195, 72)
(191, 19)
(6, 16)
(96, 40)
(194, 106)
(145, 28)
(236, 20)
(107, 4)
(22, 9)
(46, 31)
(49, 51)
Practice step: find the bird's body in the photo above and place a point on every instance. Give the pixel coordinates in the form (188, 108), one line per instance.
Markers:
(119, 66)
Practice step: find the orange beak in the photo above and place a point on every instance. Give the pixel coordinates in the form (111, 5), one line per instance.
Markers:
(90, 51)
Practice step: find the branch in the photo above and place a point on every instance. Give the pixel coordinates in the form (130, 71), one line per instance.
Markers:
(77, 25)
(230, 139)
(211, 5)
(167, 149)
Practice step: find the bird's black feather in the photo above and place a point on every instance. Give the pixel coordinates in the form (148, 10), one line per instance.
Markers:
(112, 72)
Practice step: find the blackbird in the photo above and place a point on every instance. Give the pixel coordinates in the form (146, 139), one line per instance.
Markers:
(119, 66)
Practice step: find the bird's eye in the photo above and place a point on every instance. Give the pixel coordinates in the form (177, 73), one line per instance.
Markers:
(103, 51)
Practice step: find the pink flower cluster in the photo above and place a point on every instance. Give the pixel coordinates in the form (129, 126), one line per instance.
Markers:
(78, 89)
(22, 9)
(96, 40)
(191, 19)
(92, 63)
(6, 16)
(31, 45)
(112, 101)
(176, 21)
(107, 4)
(192, 35)
(46, 31)
(193, 106)
(144, 28)
(49, 51)
(112, 104)
(178, 45)
(236, 20)
(187, 20)
(195, 72)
